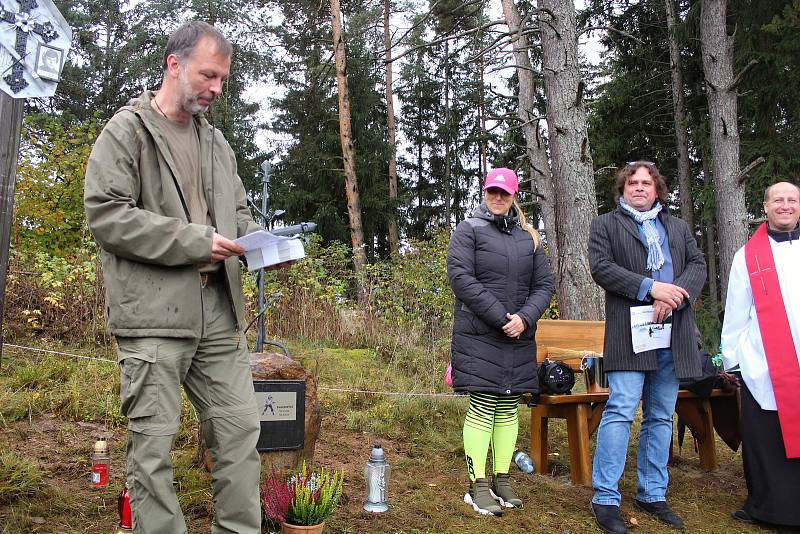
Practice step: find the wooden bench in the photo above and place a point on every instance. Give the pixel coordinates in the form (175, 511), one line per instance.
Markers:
(569, 341)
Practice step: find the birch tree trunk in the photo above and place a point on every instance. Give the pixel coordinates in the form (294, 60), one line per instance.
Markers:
(573, 172)
(681, 135)
(394, 235)
(348, 152)
(717, 50)
(542, 178)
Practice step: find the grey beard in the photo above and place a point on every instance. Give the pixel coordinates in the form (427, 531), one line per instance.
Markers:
(192, 107)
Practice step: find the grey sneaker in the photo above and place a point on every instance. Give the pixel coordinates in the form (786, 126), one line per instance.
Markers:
(480, 498)
(503, 493)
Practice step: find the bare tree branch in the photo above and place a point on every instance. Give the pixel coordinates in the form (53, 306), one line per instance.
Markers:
(606, 168)
(420, 22)
(501, 42)
(449, 38)
(493, 44)
(502, 67)
(739, 77)
(611, 29)
(752, 165)
(531, 121)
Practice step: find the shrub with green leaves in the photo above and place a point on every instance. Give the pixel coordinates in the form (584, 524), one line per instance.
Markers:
(55, 296)
(412, 290)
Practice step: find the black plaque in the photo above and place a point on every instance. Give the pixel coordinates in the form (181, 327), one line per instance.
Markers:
(282, 409)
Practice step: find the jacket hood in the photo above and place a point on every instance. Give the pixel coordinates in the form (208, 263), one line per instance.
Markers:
(482, 212)
(504, 223)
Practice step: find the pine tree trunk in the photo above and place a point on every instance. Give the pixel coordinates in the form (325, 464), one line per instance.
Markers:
(717, 49)
(681, 135)
(420, 124)
(573, 173)
(483, 160)
(711, 256)
(542, 178)
(448, 188)
(348, 152)
(711, 242)
(394, 236)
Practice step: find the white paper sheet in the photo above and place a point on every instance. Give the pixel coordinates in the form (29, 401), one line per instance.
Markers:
(647, 335)
(263, 249)
(258, 239)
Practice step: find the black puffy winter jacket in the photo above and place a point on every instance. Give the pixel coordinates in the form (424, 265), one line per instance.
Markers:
(493, 272)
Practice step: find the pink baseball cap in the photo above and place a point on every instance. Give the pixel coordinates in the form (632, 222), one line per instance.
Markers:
(502, 178)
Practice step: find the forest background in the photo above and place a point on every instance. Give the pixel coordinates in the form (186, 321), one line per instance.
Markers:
(708, 90)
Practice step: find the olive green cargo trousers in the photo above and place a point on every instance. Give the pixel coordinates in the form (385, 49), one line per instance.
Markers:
(215, 373)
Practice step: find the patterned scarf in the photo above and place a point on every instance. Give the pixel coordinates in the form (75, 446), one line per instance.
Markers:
(655, 257)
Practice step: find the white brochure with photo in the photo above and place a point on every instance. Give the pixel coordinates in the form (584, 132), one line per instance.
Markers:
(647, 335)
(263, 249)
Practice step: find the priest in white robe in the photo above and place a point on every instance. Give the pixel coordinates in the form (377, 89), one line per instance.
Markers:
(761, 336)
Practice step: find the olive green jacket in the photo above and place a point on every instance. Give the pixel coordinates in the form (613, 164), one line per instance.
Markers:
(136, 211)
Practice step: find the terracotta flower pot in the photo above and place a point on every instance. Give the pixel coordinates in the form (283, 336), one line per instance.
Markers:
(286, 528)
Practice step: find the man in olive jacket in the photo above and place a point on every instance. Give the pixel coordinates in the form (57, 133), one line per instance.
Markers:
(164, 202)
(642, 256)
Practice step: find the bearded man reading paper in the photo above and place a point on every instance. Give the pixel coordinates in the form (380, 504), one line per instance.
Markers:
(761, 334)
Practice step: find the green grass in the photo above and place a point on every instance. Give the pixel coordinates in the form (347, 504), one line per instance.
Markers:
(421, 435)
(20, 477)
(80, 390)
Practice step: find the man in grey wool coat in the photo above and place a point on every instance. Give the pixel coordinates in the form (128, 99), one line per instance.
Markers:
(640, 256)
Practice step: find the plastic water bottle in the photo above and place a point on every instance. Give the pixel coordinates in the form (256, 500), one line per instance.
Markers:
(523, 461)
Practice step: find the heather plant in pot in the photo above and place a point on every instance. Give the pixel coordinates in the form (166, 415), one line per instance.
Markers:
(303, 500)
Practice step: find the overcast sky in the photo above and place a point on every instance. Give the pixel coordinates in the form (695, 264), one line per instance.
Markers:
(263, 93)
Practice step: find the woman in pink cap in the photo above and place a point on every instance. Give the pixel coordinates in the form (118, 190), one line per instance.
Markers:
(503, 283)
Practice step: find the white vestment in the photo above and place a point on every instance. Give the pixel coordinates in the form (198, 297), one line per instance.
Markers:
(741, 336)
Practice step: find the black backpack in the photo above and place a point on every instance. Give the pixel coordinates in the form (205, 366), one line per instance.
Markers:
(702, 385)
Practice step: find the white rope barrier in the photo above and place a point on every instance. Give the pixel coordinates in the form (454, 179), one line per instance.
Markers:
(57, 353)
(321, 388)
(388, 393)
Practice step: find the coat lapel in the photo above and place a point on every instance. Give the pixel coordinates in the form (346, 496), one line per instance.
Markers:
(672, 233)
(629, 225)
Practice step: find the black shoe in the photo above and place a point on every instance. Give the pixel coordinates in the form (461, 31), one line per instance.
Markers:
(744, 517)
(661, 511)
(609, 519)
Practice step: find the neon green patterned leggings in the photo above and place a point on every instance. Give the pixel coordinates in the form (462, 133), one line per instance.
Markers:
(491, 419)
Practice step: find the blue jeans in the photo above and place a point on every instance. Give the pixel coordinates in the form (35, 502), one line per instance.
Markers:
(658, 391)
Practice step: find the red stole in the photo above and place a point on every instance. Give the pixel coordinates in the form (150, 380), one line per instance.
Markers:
(784, 369)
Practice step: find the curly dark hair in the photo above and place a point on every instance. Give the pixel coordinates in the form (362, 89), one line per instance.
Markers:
(631, 167)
